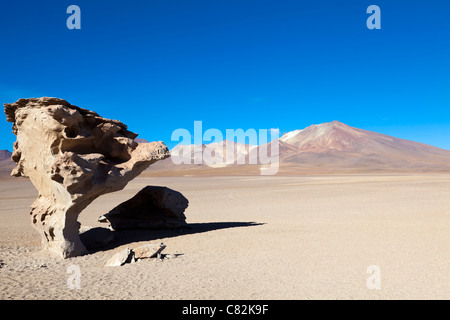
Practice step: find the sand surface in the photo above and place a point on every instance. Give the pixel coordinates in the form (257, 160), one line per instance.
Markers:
(252, 238)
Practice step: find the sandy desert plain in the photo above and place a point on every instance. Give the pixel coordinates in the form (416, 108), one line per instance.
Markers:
(252, 237)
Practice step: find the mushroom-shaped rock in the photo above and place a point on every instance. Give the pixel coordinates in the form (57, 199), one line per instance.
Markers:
(72, 156)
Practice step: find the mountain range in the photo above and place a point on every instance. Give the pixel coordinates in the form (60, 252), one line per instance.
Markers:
(332, 147)
(325, 148)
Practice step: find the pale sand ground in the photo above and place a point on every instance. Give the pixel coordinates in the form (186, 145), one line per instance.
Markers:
(314, 238)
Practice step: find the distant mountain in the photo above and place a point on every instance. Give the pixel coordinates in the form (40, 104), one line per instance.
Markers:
(139, 140)
(205, 157)
(5, 164)
(336, 145)
(213, 154)
(5, 155)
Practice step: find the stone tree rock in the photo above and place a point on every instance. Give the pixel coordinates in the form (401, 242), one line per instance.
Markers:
(151, 208)
(72, 156)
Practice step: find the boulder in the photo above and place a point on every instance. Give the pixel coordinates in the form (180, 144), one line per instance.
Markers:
(72, 156)
(151, 208)
(150, 250)
(120, 258)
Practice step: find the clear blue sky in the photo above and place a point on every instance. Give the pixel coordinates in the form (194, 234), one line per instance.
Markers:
(159, 65)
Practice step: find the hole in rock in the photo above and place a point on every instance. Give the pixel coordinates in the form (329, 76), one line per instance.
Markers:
(71, 132)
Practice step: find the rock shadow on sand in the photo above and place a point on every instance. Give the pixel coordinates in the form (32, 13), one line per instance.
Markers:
(123, 237)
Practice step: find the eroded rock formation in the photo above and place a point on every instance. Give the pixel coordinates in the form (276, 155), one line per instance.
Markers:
(151, 208)
(72, 156)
